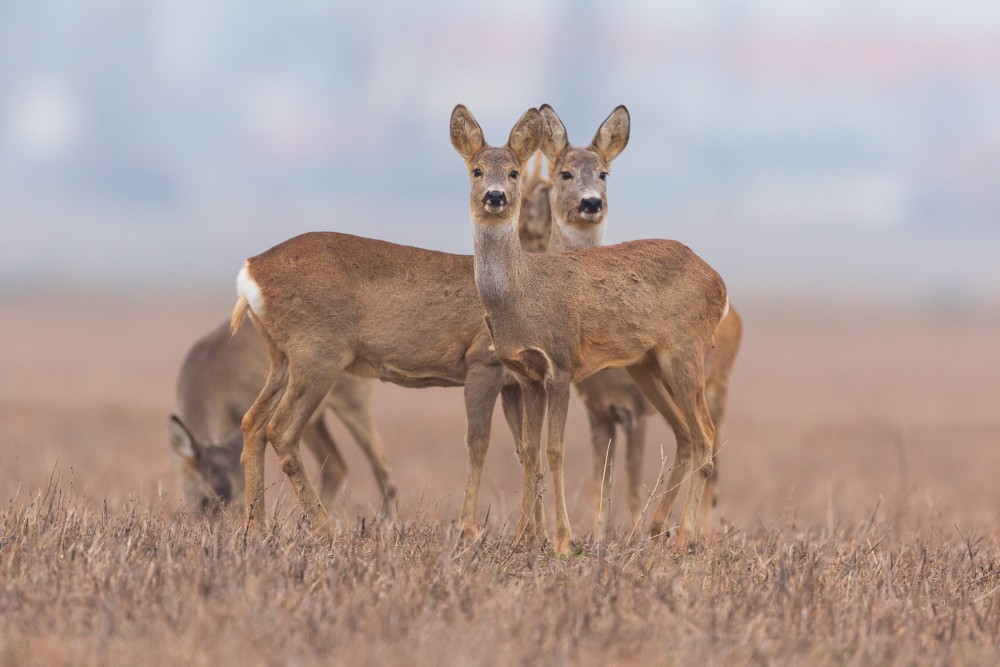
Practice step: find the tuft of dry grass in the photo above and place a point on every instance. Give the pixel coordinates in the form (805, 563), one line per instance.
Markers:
(141, 585)
(828, 414)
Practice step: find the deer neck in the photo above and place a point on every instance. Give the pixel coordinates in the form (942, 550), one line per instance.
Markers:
(565, 237)
(499, 262)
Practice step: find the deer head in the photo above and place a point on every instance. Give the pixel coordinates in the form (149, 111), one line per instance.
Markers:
(495, 173)
(578, 196)
(211, 473)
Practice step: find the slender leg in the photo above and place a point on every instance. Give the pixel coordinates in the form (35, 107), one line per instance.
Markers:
(602, 439)
(353, 408)
(481, 389)
(635, 446)
(557, 390)
(685, 374)
(718, 365)
(533, 400)
(513, 409)
(305, 391)
(255, 437)
(716, 391)
(510, 399)
(645, 376)
(333, 468)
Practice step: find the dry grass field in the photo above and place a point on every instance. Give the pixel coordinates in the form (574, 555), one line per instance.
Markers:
(858, 523)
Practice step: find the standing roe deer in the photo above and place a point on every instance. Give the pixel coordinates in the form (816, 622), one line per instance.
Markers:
(328, 303)
(219, 379)
(651, 306)
(575, 218)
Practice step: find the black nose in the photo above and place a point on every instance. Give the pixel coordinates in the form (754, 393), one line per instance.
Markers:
(591, 205)
(495, 198)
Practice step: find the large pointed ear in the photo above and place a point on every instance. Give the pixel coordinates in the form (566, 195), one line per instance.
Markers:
(466, 135)
(612, 137)
(181, 440)
(526, 135)
(554, 138)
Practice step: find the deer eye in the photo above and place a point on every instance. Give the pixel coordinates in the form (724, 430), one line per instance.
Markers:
(477, 172)
(514, 174)
(603, 176)
(565, 175)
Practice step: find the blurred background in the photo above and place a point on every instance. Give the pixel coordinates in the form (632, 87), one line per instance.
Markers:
(837, 161)
(848, 150)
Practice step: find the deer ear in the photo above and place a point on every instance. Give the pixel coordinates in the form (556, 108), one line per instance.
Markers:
(526, 135)
(612, 137)
(554, 139)
(466, 135)
(183, 443)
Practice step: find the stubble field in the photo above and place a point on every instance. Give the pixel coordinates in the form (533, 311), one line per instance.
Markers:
(858, 523)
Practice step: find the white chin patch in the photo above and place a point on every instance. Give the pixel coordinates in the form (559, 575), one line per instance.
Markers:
(248, 288)
(493, 208)
(591, 217)
(581, 236)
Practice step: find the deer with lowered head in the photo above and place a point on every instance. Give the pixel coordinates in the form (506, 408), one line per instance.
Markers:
(568, 212)
(325, 304)
(649, 306)
(220, 377)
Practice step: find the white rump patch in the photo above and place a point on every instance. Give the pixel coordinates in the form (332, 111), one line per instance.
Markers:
(248, 288)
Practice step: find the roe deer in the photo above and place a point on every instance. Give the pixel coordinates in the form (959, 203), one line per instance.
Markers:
(651, 306)
(534, 222)
(328, 303)
(219, 379)
(573, 219)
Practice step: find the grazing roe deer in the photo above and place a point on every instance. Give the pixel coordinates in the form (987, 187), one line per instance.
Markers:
(651, 306)
(221, 376)
(575, 218)
(327, 304)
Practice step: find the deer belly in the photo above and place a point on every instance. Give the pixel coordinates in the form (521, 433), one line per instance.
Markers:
(409, 377)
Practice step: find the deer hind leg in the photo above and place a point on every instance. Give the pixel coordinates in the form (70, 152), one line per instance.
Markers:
(557, 391)
(356, 415)
(481, 388)
(307, 386)
(647, 377)
(510, 400)
(254, 427)
(718, 365)
(602, 439)
(513, 409)
(684, 373)
(635, 447)
(716, 391)
(531, 521)
(333, 468)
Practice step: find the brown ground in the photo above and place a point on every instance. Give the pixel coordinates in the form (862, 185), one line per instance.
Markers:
(843, 430)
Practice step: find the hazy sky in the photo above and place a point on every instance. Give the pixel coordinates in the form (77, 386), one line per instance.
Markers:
(845, 147)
